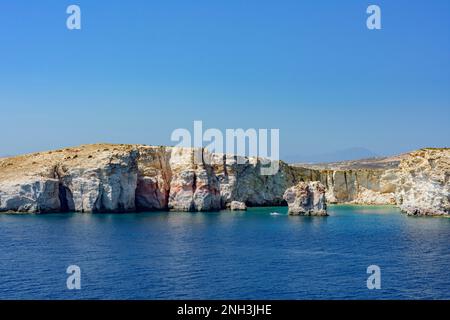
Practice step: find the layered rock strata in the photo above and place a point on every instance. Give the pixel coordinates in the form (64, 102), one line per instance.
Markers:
(120, 178)
(360, 186)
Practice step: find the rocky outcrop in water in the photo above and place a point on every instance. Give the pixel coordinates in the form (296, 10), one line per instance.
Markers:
(237, 206)
(120, 178)
(417, 182)
(306, 198)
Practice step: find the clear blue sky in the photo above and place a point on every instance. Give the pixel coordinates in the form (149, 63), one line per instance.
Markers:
(139, 69)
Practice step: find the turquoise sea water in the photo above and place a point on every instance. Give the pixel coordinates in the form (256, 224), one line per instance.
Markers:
(226, 255)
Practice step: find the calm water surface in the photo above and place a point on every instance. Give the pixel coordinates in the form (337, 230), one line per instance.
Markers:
(225, 255)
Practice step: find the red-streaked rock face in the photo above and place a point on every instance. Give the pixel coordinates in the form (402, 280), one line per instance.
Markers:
(120, 178)
(154, 178)
(194, 185)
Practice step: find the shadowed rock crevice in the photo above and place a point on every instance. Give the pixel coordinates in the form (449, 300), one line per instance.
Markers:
(65, 198)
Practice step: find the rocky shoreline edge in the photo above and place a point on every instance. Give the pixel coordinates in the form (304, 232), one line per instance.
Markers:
(125, 178)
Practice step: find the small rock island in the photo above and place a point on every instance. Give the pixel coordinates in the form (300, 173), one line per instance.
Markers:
(306, 198)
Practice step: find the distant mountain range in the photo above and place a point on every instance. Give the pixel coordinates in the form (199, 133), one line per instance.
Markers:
(355, 153)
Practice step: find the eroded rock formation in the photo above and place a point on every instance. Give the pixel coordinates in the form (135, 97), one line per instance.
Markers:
(194, 185)
(237, 206)
(120, 178)
(97, 178)
(360, 186)
(424, 183)
(306, 198)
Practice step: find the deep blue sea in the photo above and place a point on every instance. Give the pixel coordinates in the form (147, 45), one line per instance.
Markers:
(226, 255)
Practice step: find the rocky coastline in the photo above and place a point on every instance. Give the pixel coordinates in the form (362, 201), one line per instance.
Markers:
(125, 178)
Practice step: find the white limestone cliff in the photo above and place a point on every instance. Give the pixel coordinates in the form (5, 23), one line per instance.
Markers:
(424, 186)
(360, 186)
(120, 178)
